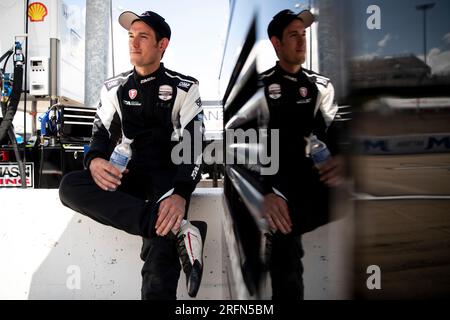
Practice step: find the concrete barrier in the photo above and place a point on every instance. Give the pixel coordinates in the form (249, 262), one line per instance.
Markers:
(48, 251)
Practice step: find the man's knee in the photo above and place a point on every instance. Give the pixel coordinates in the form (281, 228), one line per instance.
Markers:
(68, 185)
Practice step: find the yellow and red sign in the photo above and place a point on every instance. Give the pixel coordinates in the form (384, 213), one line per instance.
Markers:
(37, 11)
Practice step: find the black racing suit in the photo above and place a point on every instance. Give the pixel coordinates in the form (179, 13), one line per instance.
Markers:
(300, 105)
(155, 111)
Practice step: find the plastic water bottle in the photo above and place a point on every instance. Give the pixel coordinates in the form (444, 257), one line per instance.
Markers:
(318, 151)
(121, 155)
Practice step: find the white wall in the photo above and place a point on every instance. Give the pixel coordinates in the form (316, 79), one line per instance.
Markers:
(44, 245)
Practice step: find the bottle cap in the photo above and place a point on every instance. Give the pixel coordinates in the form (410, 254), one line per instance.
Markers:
(126, 140)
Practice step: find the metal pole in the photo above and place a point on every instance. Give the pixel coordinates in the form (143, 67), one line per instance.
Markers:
(424, 8)
(97, 48)
(54, 45)
(25, 86)
(33, 117)
(111, 25)
(310, 41)
(332, 51)
(425, 35)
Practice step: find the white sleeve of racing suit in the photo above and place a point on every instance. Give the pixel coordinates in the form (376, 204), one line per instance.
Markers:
(187, 106)
(188, 116)
(106, 127)
(326, 103)
(108, 107)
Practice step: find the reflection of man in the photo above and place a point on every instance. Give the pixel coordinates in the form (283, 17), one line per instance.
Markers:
(146, 105)
(300, 104)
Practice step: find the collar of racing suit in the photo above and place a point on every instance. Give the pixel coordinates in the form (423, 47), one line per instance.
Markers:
(281, 70)
(149, 77)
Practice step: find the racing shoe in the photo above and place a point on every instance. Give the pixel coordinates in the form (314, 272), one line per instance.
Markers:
(190, 241)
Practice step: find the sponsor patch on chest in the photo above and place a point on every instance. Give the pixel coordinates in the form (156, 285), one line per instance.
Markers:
(274, 91)
(303, 92)
(132, 94)
(304, 101)
(132, 103)
(165, 92)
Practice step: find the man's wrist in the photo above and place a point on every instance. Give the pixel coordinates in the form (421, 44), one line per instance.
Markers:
(92, 161)
(91, 155)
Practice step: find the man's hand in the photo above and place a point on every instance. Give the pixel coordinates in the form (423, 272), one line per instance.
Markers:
(332, 172)
(170, 214)
(277, 213)
(105, 175)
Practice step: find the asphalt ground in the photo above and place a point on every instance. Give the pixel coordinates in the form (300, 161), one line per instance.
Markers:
(409, 239)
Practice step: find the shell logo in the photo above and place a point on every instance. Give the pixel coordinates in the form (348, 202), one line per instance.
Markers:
(37, 12)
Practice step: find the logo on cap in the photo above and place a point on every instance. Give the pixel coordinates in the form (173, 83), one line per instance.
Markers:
(132, 94)
(303, 92)
(274, 91)
(165, 92)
